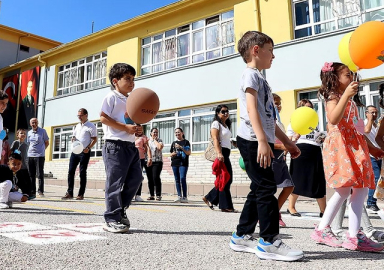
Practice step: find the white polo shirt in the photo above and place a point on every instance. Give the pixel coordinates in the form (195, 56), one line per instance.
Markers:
(114, 105)
(84, 132)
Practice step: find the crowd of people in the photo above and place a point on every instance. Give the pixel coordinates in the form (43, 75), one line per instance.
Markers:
(347, 159)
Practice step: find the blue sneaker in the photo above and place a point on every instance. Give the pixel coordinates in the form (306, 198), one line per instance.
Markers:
(277, 251)
(245, 243)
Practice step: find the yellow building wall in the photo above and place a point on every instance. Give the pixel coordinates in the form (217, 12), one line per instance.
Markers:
(245, 18)
(276, 19)
(127, 51)
(48, 151)
(288, 102)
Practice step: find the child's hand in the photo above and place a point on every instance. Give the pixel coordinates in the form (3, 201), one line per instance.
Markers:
(293, 149)
(352, 89)
(264, 154)
(132, 129)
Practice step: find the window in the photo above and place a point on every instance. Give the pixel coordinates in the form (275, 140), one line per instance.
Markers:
(192, 43)
(312, 17)
(82, 74)
(195, 122)
(62, 142)
(24, 48)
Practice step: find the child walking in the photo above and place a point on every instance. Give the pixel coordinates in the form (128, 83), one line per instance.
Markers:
(121, 157)
(279, 165)
(347, 164)
(255, 140)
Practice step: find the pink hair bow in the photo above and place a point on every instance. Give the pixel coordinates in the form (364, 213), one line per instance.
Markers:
(327, 67)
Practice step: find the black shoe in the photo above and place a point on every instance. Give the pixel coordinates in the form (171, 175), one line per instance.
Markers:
(124, 219)
(297, 214)
(321, 214)
(372, 208)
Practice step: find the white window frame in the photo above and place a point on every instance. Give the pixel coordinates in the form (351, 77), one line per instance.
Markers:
(360, 13)
(190, 56)
(194, 144)
(67, 84)
(96, 150)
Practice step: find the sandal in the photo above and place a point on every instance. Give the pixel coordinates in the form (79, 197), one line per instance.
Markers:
(210, 205)
(151, 198)
(158, 198)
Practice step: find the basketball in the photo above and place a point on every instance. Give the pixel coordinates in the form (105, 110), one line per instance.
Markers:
(142, 105)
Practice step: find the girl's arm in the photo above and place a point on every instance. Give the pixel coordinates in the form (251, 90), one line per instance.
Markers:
(216, 142)
(336, 108)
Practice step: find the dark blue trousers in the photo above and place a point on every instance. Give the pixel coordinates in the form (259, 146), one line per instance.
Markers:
(122, 167)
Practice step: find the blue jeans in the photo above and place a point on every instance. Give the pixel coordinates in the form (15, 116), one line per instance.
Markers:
(181, 180)
(376, 165)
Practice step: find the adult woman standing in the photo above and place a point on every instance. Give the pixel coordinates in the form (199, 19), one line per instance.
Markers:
(180, 151)
(221, 135)
(155, 145)
(307, 171)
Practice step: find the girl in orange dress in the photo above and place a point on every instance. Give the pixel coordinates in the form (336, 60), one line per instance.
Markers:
(347, 164)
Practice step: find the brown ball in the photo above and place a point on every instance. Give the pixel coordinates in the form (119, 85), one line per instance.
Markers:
(142, 105)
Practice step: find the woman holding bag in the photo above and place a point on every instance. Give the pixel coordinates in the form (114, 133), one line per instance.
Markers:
(221, 136)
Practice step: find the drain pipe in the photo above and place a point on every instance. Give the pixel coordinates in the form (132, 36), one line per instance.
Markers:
(18, 47)
(44, 89)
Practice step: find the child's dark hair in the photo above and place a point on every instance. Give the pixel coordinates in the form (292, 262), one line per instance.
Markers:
(304, 101)
(250, 39)
(15, 156)
(3, 95)
(181, 130)
(217, 118)
(329, 76)
(381, 92)
(276, 96)
(118, 70)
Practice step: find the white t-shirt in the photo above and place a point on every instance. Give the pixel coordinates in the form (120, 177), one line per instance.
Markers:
(84, 132)
(224, 134)
(309, 138)
(372, 135)
(252, 78)
(114, 106)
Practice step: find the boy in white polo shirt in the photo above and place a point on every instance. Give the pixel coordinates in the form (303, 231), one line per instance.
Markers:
(121, 158)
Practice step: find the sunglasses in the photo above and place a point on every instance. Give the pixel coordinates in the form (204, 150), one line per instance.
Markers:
(224, 111)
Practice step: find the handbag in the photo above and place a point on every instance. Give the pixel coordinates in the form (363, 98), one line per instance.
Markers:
(210, 153)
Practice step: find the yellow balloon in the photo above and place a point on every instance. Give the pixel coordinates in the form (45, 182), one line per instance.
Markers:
(304, 120)
(344, 54)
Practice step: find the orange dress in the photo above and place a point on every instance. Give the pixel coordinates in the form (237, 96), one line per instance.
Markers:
(346, 155)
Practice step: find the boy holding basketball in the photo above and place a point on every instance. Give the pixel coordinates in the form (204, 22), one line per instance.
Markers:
(121, 158)
(255, 140)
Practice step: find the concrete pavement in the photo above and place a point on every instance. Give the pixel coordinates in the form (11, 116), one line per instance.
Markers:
(48, 233)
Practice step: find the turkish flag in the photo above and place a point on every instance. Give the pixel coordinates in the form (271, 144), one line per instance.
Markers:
(11, 86)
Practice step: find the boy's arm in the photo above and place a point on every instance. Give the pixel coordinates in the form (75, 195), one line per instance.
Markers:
(131, 129)
(288, 144)
(264, 151)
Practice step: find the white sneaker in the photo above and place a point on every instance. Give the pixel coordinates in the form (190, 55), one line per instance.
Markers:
(277, 251)
(381, 214)
(177, 200)
(184, 200)
(138, 198)
(4, 205)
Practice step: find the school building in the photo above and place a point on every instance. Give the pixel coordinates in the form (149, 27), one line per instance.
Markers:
(186, 52)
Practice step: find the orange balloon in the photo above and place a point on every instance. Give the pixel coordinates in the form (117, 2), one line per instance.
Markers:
(366, 45)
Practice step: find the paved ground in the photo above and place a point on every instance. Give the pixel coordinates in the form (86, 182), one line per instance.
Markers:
(48, 233)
